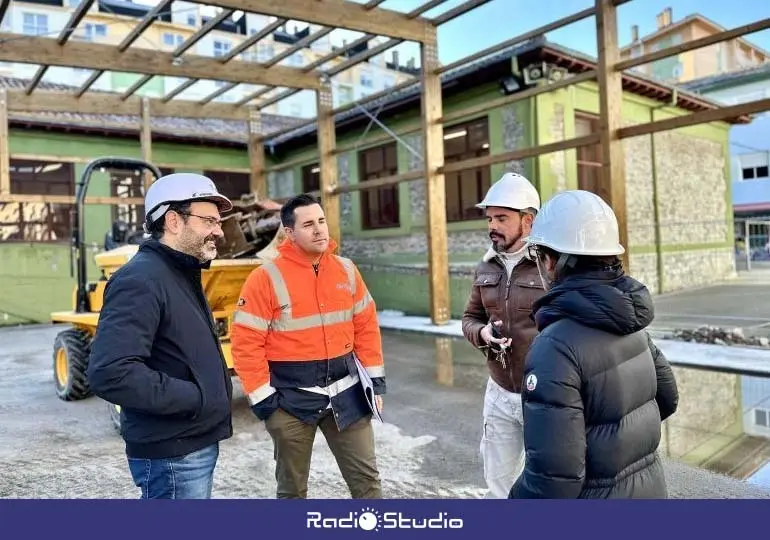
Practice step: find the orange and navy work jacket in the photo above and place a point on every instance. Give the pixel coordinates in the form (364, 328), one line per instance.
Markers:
(295, 333)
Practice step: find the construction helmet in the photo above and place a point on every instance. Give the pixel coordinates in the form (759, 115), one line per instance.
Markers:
(577, 223)
(512, 191)
(181, 187)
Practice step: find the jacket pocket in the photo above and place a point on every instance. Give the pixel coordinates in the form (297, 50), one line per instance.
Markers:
(215, 403)
(489, 289)
(528, 289)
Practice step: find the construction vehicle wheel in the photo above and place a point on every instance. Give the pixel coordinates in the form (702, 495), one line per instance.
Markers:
(114, 415)
(70, 359)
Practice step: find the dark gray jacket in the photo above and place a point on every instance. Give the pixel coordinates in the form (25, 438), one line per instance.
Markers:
(595, 390)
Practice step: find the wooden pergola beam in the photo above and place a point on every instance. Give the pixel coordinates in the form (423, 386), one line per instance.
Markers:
(109, 103)
(701, 117)
(47, 51)
(5, 153)
(612, 182)
(256, 149)
(433, 152)
(64, 35)
(145, 140)
(328, 161)
(336, 13)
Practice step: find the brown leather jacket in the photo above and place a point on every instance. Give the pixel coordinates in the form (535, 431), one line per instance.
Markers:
(496, 297)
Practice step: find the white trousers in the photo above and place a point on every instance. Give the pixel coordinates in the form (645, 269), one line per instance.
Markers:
(502, 440)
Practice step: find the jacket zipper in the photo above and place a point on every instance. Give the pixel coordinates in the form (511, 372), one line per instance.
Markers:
(212, 327)
(323, 327)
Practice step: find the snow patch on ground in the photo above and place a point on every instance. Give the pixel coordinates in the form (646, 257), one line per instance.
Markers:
(737, 359)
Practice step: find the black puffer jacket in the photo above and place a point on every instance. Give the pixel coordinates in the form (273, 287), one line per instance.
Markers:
(595, 391)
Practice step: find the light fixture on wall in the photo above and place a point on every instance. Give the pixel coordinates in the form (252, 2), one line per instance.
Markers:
(509, 85)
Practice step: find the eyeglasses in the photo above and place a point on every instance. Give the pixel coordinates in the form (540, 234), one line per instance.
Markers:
(210, 221)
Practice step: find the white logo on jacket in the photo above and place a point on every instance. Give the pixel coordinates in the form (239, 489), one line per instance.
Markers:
(531, 382)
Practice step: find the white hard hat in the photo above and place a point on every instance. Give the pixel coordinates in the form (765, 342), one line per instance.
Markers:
(577, 223)
(512, 191)
(181, 187)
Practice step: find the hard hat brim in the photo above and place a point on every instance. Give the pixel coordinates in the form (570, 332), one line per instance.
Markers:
(223, 203)
(529, 241)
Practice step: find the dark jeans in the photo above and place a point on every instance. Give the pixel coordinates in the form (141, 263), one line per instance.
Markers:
(186, 477)
(353, 448)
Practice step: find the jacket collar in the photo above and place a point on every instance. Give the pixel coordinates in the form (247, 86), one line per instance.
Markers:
(183, 261)
(290, 251)
(492, 255)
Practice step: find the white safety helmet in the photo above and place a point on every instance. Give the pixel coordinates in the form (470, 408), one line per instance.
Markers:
(512, 191)
(181, 187)
(577, 223)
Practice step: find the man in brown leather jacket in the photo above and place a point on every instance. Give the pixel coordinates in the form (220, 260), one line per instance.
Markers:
(505, 285)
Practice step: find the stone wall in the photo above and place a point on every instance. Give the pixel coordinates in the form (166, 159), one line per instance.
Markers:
(685, 269)
(644, 267)
(692, 199)
(460, 243)
(513, 137)
(557, 161)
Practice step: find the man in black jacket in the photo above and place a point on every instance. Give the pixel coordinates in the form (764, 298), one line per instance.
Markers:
(596, 388)
(156, 352)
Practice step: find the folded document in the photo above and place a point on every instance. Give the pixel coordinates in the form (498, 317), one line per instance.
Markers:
(366, 383)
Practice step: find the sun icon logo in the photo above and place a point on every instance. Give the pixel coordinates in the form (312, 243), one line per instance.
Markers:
(369, 520)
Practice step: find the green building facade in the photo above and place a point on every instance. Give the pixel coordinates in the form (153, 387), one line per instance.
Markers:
(678, 191)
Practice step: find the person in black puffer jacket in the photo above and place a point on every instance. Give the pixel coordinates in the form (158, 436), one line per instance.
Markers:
(595, 386)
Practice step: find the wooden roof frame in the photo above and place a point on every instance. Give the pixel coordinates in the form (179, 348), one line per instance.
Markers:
(61, 51)
(373, 21)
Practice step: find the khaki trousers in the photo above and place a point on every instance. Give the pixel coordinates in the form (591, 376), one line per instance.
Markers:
(353, 449)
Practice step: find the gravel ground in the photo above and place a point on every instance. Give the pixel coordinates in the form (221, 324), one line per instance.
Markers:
(427, 449)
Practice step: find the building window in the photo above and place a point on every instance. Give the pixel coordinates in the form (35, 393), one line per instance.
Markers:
(172, 40)
(265, 52)
(35, 24)
(38, 222)
(379, 206)
(311, 178)
(464, 189)
(366, 79)
(231, 184)
(95, 31)
(344, 94)
(221, 48)
(589, 166)
(751, 173)
(191, 20)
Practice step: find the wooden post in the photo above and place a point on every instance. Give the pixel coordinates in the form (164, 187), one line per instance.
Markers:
(613, 178)
(258, 178)
(433, 148)
(5, 153)
(328, 160)
(145, 140)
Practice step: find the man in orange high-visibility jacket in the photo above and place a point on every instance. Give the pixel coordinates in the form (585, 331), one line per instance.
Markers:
(301, 325)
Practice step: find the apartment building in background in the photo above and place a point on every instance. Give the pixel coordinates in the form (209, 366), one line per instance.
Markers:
(749, 143)
(110, 21)
(726, 57)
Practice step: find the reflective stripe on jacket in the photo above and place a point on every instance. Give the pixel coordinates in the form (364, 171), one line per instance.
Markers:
(295, 332)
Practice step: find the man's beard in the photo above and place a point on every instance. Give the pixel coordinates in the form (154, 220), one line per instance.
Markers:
(202, 248)
(501, 244)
